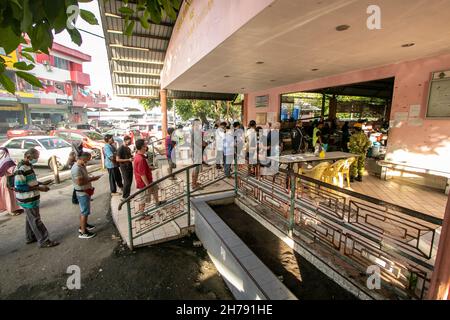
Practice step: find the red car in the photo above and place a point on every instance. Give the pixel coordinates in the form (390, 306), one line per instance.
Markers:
(25, 130)
(90, 139)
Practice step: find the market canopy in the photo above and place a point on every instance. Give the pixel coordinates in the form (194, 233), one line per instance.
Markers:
(136, 61)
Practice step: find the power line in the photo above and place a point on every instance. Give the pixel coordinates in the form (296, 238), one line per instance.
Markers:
(96, 35)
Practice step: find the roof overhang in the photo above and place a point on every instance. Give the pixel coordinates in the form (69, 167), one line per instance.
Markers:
(294, 41)
(136, 61)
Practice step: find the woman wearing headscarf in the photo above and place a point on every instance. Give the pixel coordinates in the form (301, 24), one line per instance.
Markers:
(7, 195)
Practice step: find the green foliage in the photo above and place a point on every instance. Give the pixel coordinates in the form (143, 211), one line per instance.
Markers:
(204, 109)
(39, 19)
(149, 104)
(145, 10)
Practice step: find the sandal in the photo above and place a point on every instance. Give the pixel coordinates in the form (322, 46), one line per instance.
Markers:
(49, 244)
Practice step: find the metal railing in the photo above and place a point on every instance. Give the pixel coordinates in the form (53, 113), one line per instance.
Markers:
(359, 229)
(176, 196)
(356, 229)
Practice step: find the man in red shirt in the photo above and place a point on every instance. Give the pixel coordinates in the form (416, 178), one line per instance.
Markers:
(143, 176)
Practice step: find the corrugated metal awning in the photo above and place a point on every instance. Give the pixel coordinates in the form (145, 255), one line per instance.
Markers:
(136, 61)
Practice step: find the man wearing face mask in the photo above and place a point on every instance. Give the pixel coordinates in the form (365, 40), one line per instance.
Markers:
(82, 184)
(27, 190)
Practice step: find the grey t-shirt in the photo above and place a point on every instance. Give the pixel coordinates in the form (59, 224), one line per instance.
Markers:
(80, 171)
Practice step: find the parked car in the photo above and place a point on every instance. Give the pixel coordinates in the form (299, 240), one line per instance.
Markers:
(25, 130)
(87, 127)
(48, 146)
(91, 140)
(148, 130)
(103, 125)
(121, 133)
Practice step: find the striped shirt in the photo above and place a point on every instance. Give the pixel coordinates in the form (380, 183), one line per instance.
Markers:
(24, 179)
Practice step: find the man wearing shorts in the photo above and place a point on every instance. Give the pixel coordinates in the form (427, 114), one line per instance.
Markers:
(82, 184)
(143, 177)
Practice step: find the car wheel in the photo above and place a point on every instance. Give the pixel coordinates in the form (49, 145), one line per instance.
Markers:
(59, 165)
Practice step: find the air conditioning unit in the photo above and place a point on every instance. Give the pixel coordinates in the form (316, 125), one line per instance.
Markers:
(47, 65)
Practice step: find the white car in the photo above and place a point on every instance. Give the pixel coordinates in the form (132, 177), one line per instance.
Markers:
(47, 146)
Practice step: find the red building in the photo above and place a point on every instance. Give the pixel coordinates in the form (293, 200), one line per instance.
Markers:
(65, 95)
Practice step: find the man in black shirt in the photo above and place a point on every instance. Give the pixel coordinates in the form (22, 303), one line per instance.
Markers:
(125, 161)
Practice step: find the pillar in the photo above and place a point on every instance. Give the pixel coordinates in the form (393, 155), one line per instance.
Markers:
(163, 100)
(322, 114)
(245, 118)
(440, 280)
(333, 109)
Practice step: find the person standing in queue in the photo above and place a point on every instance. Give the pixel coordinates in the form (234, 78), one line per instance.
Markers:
(143, 177)
(110, 152)
(170, 146)
(28, 196)
(82, 184)
(298, 137)
(125, 161)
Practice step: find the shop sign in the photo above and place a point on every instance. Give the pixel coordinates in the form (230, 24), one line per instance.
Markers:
(11, 108)
(66, 102)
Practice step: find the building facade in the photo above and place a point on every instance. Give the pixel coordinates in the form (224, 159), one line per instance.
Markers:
(65, 95)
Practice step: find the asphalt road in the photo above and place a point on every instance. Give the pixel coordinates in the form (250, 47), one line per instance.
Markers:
(108, 269)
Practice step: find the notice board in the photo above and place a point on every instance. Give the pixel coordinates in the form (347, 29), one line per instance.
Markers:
(439, 96)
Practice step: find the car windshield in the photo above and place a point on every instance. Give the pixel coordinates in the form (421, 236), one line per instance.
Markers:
(94, 135)
(54, 143)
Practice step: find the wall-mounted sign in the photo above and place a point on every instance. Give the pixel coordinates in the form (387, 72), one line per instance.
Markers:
(262, 101)
(66, 102)
(261, 118)
(439, 95)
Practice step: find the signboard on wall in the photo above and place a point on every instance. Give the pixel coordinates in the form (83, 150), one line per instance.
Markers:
(261, 118)
(262, 101)
(439, 96)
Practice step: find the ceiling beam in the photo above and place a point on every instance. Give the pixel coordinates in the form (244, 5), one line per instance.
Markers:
(138, 61)
(138, 73)
(121, 46)
(122, 84)
(141, 35)
(137, 96)
(119, 16)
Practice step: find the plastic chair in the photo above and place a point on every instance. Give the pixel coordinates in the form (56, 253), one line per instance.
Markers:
(332, 174)
(345, 170)
(316, 172)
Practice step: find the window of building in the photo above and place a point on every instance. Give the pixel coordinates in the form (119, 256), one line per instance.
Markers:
(60, 63)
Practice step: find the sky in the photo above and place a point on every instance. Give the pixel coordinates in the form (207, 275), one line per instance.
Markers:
(94, 46)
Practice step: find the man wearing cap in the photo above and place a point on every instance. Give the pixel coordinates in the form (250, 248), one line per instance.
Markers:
(359, 144)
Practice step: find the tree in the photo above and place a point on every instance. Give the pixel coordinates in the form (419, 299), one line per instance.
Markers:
(150, 104)
(38, 20)
(204, 109)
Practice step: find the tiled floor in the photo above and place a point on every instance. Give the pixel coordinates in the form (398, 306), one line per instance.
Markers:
(417, 198)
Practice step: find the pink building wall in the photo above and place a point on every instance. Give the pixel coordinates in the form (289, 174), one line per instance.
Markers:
(201, 26)
(427, 145)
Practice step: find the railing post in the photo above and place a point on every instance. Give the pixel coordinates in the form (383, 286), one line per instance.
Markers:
(130, 229)
(292, 206)
(188, 195)
(235, 175)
